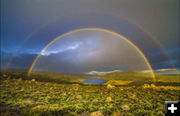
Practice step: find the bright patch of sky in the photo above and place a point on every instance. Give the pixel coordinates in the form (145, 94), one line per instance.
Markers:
(45, 52)
(86, 45)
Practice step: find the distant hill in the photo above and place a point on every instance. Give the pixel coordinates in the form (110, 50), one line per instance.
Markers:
(56, 76)
(118, 78)
(126, 76)
(45, 76)
(117, 82)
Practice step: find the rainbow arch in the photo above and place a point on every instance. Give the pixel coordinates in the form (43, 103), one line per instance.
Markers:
(140, 27)
(97, 29)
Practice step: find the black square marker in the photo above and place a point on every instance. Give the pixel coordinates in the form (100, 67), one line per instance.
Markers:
(172, 108)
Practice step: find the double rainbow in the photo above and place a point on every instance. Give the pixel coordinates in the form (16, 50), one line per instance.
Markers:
(97, 29)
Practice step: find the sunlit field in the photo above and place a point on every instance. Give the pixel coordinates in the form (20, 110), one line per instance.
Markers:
(46, 93)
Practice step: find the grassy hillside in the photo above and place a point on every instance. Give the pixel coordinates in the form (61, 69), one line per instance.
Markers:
(127, 76)
(117, 78)
(45, 76)
(58, 77)
(54, 94)
(168, 78)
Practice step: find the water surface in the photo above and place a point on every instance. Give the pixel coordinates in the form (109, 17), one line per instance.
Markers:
(95, 81)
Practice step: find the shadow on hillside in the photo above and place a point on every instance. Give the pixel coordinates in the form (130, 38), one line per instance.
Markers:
(39, 78)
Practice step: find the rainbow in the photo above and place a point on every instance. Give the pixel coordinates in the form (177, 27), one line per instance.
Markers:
(97, 29)
(150, 35)
(155, 41)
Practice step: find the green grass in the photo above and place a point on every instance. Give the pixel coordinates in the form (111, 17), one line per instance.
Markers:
(21, 96)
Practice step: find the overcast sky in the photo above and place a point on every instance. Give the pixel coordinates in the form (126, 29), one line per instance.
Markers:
(28, 25)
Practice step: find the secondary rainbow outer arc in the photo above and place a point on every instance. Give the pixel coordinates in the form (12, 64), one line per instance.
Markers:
(152, 37)
(96, 29)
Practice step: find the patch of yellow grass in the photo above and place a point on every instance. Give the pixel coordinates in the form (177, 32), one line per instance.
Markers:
(96, 113)
(117, 82)
(27, 102)
(33, 80)
(146, 86)
(109, 86)
(79, 97)
(161, 87)
(125, 107)
(108, 99)
(169, 87)
(39, 107)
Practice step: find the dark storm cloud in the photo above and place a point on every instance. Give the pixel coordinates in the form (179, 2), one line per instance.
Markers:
(19, 62)
(43, 20)
(159, 61)
(90, 50)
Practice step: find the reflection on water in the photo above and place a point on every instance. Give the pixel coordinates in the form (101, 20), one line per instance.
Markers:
(95, 81)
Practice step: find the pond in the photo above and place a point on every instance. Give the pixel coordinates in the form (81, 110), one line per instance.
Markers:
(95, 81)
